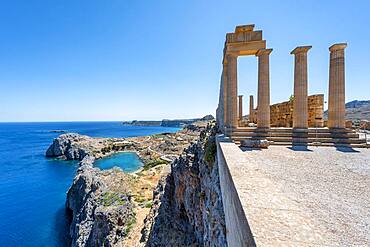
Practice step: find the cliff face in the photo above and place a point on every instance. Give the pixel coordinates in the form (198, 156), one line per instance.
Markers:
(187, 207)
(101, 216)
(178, 123)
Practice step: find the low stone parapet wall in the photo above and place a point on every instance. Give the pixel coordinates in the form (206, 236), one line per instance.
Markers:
(238, 232)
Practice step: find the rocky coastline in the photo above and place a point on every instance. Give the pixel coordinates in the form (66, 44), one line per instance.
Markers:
(173, 201)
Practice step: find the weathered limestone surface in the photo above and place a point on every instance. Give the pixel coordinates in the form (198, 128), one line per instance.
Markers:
(336, 118)
(300, 109)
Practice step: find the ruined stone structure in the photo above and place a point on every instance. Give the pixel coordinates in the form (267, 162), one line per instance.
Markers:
(298, 118)
(243, 42)
(282, 113)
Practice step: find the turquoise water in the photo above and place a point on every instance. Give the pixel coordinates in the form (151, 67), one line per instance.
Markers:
(33, 188)
(127, 161)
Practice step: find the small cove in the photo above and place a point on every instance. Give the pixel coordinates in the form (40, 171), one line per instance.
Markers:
(127, 161)
(33, 188)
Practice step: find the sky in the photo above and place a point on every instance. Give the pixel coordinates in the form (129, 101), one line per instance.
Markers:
(113, 60)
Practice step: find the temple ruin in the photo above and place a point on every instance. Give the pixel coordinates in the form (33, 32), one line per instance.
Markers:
(299, 121)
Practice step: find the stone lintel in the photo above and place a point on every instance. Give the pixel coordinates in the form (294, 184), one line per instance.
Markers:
(338, 46)
(244, 28)
(263, 52)
(243, 37)
(247, 48)
(301, 49)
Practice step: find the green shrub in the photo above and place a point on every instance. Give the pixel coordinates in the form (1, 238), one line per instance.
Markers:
(210, 150)
(149, 204)
(154, 163)
(111, 198)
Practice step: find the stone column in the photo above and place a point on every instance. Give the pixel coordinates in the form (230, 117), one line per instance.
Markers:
(225, 93)
(263, 115)
(240, 97)
(232, 92)
(336, 117)
(251, 109)
(300, 104)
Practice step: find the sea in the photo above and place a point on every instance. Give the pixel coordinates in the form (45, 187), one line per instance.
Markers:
(33, 188)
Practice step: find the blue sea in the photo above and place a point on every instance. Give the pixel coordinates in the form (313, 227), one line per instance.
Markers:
(33, 188)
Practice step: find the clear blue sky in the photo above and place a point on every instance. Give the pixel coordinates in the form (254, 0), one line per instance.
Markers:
(121, 60)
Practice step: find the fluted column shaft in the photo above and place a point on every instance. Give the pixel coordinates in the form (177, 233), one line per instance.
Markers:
(300, 105)
(251, 108)
(225, 93)
(232, 91)
(263, 115)
(336, 116)
(240, 97)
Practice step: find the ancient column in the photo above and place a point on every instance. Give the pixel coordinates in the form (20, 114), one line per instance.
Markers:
(251, 109)
(263, 99)
(240, 97)
(225, 93)
(336, 117)
(232, 92)
(300, 104)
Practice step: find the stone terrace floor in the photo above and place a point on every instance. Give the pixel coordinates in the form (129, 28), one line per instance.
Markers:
(318, 197)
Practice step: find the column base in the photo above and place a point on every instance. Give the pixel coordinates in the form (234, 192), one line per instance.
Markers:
(338, 130)
(262, 129)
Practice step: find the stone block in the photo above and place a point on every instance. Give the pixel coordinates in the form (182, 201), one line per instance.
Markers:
(255, 143)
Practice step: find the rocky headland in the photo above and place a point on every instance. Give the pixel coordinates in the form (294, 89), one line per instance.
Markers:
(174, 200)
(179, 123)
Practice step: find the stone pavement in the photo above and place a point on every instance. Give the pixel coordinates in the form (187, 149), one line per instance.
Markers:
(315, 197)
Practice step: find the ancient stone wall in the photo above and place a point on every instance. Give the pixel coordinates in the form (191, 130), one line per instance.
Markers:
(282, 113)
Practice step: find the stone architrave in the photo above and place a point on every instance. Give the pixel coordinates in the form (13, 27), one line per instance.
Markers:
(263, 116)
(336, 116)
(300, 104)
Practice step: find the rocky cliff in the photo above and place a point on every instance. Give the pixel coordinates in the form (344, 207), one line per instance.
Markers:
(108, 206)
(102, 214)
(187, 206)
(356, 110)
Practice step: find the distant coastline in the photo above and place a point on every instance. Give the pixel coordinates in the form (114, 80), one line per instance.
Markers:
(178, 123)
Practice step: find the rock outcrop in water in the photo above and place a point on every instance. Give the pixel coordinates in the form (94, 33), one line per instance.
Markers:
(69, 146)
(187, 206)
(102, 211)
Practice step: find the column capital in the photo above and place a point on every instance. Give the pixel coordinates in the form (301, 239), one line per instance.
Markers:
(338, 46)
(301, 49)
(261, 52)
